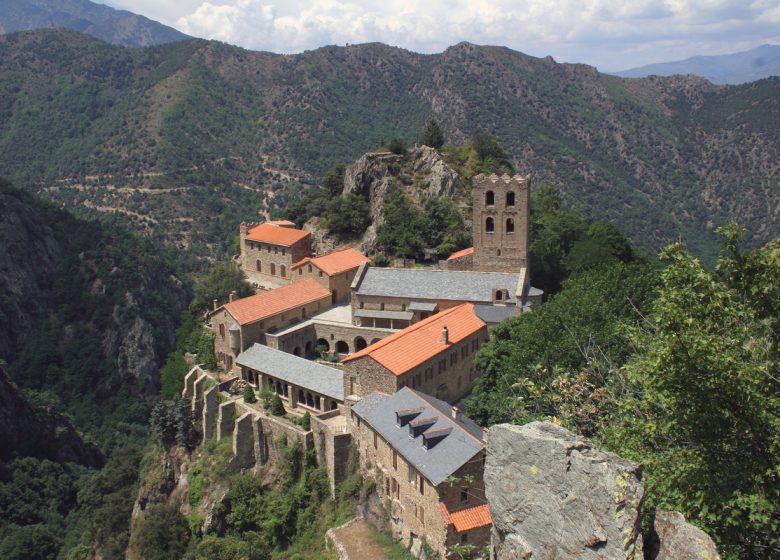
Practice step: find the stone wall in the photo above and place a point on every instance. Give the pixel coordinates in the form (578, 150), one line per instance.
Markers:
(333, 445)
(465, 262)
(259, 259)
(340, 283)
(310, 335)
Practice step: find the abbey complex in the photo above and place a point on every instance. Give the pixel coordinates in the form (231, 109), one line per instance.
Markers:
(400, 346)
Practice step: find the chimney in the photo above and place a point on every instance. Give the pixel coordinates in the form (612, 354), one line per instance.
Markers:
(233, 296)
(215, 303)
(455, 413)
(244, 228)
(445, 335)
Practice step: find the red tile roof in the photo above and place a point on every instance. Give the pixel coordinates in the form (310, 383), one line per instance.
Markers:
(266, 304)
(336, 262)
(276, 234)
(467, 519)
(461, 253)
(418, 343)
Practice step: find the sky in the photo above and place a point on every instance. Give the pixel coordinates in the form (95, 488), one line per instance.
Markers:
(609, 34)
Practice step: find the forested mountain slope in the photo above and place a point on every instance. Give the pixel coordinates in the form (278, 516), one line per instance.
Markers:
(184, 140)
(104, 22)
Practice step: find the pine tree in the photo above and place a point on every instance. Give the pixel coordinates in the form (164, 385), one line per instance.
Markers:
(432, 135)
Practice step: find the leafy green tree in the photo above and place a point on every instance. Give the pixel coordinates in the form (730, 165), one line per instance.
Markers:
(603, 244)
(432, 135)
(172, 375)
(306, 421)
(483, 154)
(445, 228)
(702, 412)
(171, 423)
(249, 395)
(28, 542)
(164, 534)
(559, 359)
(348, 214)
(222, 279)
(333, 182)
(404, 228)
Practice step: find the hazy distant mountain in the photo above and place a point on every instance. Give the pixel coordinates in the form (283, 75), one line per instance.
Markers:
(113, 26)
(738, 68)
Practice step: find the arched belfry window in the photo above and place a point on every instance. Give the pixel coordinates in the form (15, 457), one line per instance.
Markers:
(510, 198)
(510, 225)
(490, 198)
(490, 226)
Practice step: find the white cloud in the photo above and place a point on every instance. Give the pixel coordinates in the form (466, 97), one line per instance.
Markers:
(611, 34)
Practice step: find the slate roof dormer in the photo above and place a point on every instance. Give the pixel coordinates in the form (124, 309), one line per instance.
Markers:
(437, 451)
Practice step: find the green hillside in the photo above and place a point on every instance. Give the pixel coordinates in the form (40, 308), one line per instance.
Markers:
(185, 140)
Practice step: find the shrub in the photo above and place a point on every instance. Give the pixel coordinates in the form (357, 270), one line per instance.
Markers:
(277, 408)
(306, 421)
(397, 145)
(249, 395)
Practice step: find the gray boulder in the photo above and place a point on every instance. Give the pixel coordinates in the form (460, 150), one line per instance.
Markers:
(553, 495)
(673, 538)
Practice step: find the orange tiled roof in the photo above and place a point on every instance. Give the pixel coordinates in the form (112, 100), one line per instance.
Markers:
(467, 519)
(461, 253)
(276, 234)
(336, 261)
(418, 343)
(266, 304)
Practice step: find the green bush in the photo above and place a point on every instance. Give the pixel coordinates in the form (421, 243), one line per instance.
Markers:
(348, 214)
(249, 395)
(277, 407)
(306, 421)
(397, 145)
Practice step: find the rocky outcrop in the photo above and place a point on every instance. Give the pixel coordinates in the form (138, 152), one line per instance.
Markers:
(673, 538)
(28, 430)
(421, 174)
(564, 498)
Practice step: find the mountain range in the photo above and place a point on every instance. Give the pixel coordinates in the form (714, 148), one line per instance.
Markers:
(104, 22)
(186, 139)
(737, 68)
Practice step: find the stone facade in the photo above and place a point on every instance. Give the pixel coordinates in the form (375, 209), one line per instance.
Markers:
(413, 502)
(333, 445)
(501, 213)
(448, 375)
(292, 395)
(338, 284)
(333, 337)
(227, 345)
(269, 265)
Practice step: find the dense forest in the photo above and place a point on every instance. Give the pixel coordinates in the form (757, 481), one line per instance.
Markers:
(183, 140)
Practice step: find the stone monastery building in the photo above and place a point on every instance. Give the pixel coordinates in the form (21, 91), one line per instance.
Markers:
(406, 340)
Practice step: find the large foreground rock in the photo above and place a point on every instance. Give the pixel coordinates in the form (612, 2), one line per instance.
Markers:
(552, 494)
(673, 538)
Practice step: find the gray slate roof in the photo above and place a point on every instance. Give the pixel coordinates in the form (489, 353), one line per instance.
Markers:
(493, 314)
(380, 314)
(306, 374)
(432, 284)
(437, 463)
(422, 306)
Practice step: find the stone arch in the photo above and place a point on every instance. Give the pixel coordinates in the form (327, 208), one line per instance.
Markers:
(333, 405)
(324, 343)
(510, 225)
(301, 397)
(307, 349)
(360, 343)
(443, 392)
(374, 340)
(510, 198)
(490, 226)
(309, 400)
(297, 351)
(342, 347)
(490, 198)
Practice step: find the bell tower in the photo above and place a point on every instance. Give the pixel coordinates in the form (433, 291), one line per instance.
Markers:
(500, 222)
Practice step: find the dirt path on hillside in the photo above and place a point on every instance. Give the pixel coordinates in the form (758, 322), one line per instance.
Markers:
(357, 540)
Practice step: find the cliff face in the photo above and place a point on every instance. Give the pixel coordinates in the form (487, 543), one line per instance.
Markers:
(74, 290)
(27, 430)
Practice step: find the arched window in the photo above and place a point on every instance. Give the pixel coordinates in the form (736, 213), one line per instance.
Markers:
(222, 330)
(510, 198)
(490, 198)
(273, 269)
(490, 226)
(259, 266)
(510, 225)
(284, 271)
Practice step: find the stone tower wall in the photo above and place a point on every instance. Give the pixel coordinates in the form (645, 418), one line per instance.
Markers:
(502, 250)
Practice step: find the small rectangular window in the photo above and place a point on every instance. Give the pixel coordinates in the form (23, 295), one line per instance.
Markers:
(395, 460)
(464, 495)
(376, 441)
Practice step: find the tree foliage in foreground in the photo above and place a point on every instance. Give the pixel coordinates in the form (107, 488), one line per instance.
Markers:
(703, 410)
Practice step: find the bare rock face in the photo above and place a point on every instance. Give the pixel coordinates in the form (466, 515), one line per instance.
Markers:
(552, 494)
(673, 538)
